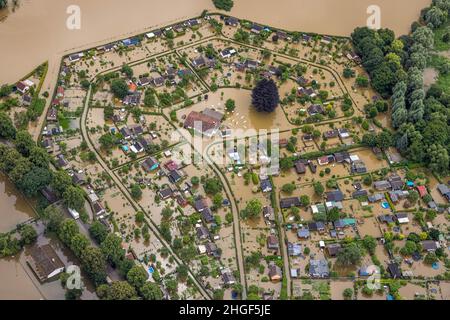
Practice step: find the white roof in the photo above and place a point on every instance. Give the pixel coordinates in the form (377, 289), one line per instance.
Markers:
(201, 249)
(403, 220)
(322, 243)
(354, 157)
(150, 35)
(28, 82)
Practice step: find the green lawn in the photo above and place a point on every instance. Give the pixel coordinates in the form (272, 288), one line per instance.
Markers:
(440, 45)
(444, 79)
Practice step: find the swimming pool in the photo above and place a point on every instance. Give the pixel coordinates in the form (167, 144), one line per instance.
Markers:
(385, 205)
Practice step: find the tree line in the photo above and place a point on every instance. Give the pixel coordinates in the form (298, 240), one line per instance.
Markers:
(396, 67)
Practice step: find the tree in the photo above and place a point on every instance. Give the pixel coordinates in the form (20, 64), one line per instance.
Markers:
(362, 81)
(370, 243)
(68, 230)
(79, 243)
(252, 210)
(349, 255)
(98, 231)
(230, 105)
(136, 192)
(137, 276)
(53, 218)
(120, 88)
(94, 264)
(347, 294)
(318, 188)
(34, 181)
(126, 69)
(24, 143)
(7, 129)
(74, 198)
(28, 234)
(39, 157)
(112, 249)
(223, 4)
(304, 200)
(288, 188)
(333, 214)
(212, 186)
(107, 141)
(265, 96)
(119, 290)
(182, 273)
(286, 163)
(151, 291)
(60, 182)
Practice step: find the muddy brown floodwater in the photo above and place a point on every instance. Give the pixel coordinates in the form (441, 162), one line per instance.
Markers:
(36, 31)
(15, 208)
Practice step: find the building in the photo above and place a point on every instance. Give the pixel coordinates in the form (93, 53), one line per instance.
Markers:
(430, 245)
(287, 203)
(44, 262)
(269, 213)
(303, 233)
(382, 185)
(394, 270)
(266, 185)
(294, 249)
(335, 196)
(300, 167)
(402, 218)
(202, 123)
(228, 277)
(318, 269)
(333, 249)
(202, 233)
(272, 242)
(444, 190)
(275, 273)
(150, 164)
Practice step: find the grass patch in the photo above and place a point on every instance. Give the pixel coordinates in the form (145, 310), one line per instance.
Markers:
(443, 81)
(63, 121)
(439, 44)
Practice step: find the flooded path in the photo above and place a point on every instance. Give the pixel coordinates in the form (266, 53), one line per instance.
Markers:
(37, 30)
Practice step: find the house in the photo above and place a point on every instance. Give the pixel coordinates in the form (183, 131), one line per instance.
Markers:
(79, 178)
(165, 193)
(333, 249)
(26, 100)
(318, 269)
(98, 209)
(130, 42)
(202, 233)
(300, 167)
(125, 132)
(228, 277)
(312, 167)
(269, 213)
(386, 218)
(330, 134)
(323, 161)
(394, 270)
(398, 195)
(212, 250)
(144, 81)
(341, 157)
(231, 21)
(251, 64)
(275, 273)
(49, 194)
(266, 185)
(44, 262)
(382, 185)
(358, 167)
(367, 271)
(132, 99)
(335, 195)
(316, 226)
(334, 204)
(444, 190)
(22, 87)
(430, 245)
(150, 164)
(201, 204)
(359, 193)
(302, 81)
(343, 133)
(216, 115)
(181, 200)
(207, 216)
(227, 53)
(136, 129)
(376, 197)
(158, 81)
(287, 203)
(174, 176)
(199, 62)
(309, 92)
(202, 123)
(294, 249)
(402, 218)
(318, 208)
(303, 233)
(422, 191)
(315, 109)
(61, 161)
(272, 242)
(256, 28)
(396, 182)
(48, 144)
(52, 114)
(76, 57)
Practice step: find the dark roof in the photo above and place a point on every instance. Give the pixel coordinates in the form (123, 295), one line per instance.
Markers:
(335, 195)
(290, 202)
(44, 261)
(394, 270)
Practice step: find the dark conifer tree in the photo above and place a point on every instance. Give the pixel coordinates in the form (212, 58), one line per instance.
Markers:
(265, 96)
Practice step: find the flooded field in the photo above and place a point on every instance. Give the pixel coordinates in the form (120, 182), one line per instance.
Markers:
(23, 29)
(15, 209)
